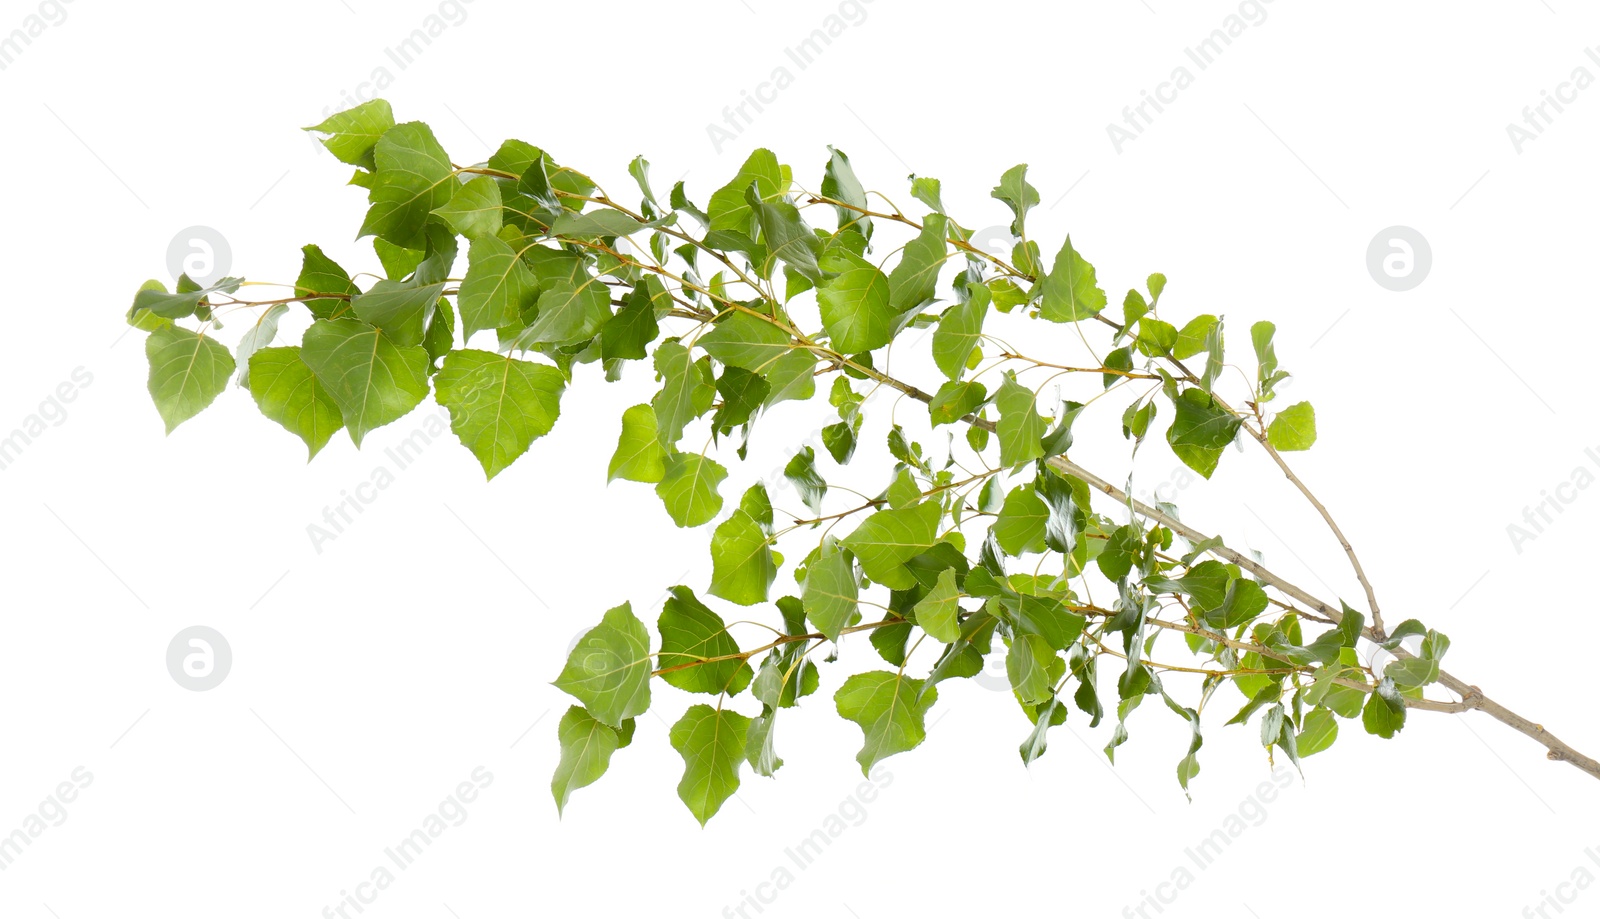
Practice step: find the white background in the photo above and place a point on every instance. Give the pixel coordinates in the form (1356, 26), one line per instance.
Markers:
(373, 677)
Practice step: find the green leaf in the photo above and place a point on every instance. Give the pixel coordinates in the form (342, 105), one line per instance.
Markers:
(288, 393)
(1189, 766)
(913, 281)
(839, 183)
(399, 308)
(187, 372)
(411, 179)
(742, 567)
(439, 258)
(1317, 732)
(786, 675)
(758, 746)
(639, 456)
(794, 284)
(938, 611)
(474, 210)
(1018, 195)
(1120, 359)
(965, 657)
(586, 748)
(792, 377)
(1435, 646)
(1192, 337)
(1200, 430)
(1070, 290)
(629, 333)
(978, 437)
(685, 394)
(1412, 673)
(904, 491)
(1046, 617)
(1136, 421)
(688, 489)
(1122, 547)
(890, 708)
(888, 539)
(568, 180)
(733, 241)
(1214, 357)
(959, 330)
(1267, 373)
(1044, 717)
(1385, 711)
(855, 304)
(1324, 650)
(1343, 701)
(322, 275)
(1020, 427)
(1295, 428)
(181, 303)
(1244, 601)
(1269, 694)
(1059, 440)
(1067, 519)
(258, 336)
(1404, 630)
(1026, 256)
(1207, 583)
(786, 236)
(742, 394)
(956, 400)
(1133, 309)
(1157, 283)
(141, 318)
(830, 590)
(532, 203)
(551, 264)
(926, 190)
(840, 440)
(602, 221)
(743, 340)
(1156, 338)
(1033, 667)
(728, 208)
(398, 261)
(1351, 623)
(568, 312)
(639, 168)
(373, 380)
(1201, 422)
(712, 744)
(801, 471)
(680, 202)
(1006, 294)
(892, 641)
(1261, 340)
(756, 502)
(692, 632)
(1021, 524)
(497, 289)
(351, 134)
(609, 668)
(498, 405)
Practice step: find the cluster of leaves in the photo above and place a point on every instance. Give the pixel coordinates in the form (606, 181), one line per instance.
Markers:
(990, 545)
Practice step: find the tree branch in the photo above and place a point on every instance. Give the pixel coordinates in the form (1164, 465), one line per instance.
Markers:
(1471, 697)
